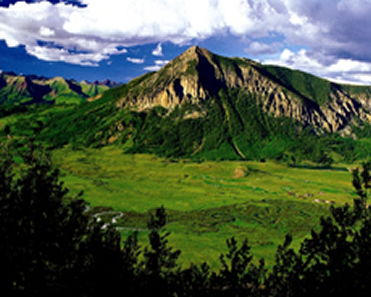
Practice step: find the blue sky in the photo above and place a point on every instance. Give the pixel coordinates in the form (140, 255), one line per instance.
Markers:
(122, 39)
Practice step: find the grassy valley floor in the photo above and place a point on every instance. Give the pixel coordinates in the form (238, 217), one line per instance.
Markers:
(206, 202)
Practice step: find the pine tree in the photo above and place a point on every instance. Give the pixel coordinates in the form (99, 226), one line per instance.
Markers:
(160, 261)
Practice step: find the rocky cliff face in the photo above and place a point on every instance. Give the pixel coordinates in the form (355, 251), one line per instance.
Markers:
(198, 75)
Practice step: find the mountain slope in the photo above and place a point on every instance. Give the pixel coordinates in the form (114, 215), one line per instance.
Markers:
(15, 89)
(21, 89)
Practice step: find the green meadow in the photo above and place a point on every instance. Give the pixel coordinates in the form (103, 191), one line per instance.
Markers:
(206, 202)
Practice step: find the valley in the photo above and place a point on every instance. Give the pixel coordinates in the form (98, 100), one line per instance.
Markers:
(207, 202)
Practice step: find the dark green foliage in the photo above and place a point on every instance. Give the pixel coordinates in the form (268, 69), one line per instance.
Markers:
(9, 109)
(195, 281)
(240, 277)
(159, 260)
(231, 64)
(362, 130)
(7, 130)
(310, 89)
(281, 281)
(49, 246)
(357, 90)
(131, 251)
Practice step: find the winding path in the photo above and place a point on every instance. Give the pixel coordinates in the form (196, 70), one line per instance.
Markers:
(114, 220)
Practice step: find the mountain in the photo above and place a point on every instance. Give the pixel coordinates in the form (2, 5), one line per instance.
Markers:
(19, 89)
(205, 106)
(198, 75)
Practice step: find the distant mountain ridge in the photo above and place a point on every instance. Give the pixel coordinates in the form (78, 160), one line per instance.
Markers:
(29, 89)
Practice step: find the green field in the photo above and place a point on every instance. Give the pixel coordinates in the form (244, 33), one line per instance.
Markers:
(207, 202)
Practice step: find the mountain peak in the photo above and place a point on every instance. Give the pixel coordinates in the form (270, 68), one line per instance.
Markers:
(194, 52)
(196, 75)
(197, 49)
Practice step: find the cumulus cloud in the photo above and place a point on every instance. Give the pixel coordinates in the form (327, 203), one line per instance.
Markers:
(88, 31)
(102, 25)
(39, 27)
(334, 27)
(299, 60)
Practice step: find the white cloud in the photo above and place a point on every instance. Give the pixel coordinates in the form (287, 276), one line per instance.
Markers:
(111, 23)
(152, 68)
(299, 60)
(63, 55)
(46, 32)
(334, 33)
(135, 60)
(286, 56)
(158, 50)
(158, 65)
(340, 70)
(28, 24)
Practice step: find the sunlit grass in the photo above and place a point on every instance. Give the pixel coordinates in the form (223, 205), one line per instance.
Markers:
(207, 202)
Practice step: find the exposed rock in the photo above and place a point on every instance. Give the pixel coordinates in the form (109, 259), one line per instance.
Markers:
(91, 99)
(112, 139)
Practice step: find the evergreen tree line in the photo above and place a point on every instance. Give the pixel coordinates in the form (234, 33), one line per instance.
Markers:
(51, 246)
